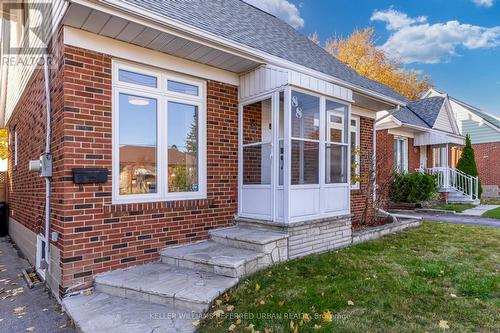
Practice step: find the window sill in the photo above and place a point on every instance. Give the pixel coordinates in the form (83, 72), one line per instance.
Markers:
(137, 199)
(155, 204)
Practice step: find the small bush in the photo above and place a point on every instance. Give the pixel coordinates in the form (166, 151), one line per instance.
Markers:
(413, 187)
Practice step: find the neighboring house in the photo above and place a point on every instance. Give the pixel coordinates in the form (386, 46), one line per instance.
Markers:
(424, 136)
(484, 131)
(260, 123)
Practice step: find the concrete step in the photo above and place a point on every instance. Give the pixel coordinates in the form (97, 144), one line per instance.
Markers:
(210, 256)
(104, 313)
(252, 239)
(165, 284)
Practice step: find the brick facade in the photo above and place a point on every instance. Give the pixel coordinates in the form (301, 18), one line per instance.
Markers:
(488, 162)
(360, 198)
(26, 190)
(95, 235)
(413, 156)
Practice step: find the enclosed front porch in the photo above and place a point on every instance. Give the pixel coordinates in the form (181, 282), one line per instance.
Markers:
(439, 155)
(294, 149)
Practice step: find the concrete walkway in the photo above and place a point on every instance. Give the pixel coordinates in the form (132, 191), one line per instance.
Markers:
(23, 309)
(479, 210)
(455, 218)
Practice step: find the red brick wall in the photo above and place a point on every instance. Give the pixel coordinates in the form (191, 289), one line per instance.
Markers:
(26, 190)
(413, 156)
(359, 197)
(94, 235)
(99, 236)
(385, 155)
(430, 157)
(488, 162)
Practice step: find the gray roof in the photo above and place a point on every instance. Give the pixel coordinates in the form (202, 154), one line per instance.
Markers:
(242, 23)
(422, 112)
(407, 116)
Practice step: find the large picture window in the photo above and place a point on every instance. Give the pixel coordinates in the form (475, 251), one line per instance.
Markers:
(158, 136)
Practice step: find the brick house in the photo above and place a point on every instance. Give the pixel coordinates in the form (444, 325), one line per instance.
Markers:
(169, 123)
(484, 131)
(424, 136)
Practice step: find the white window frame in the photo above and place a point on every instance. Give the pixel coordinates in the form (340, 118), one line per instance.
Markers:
(341, 127)
(404, 158)
(163, 96)
(356, 129)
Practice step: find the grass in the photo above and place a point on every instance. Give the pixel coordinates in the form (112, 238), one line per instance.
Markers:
(490, 201)
(408, 282)
(493, 213)
(456, 207)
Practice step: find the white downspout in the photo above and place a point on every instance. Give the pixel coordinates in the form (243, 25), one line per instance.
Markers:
(47, 152)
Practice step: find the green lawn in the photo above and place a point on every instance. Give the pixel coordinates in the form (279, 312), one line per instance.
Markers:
(436, 278)
(494, 213)
(490, 201)
(456, 207)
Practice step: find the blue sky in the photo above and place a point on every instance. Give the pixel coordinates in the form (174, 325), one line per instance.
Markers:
(455, 42)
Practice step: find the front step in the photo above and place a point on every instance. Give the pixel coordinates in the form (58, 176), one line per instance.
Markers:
(165, 284)
(269, 242)
(106, 313)
(457, 197)
(210, 256)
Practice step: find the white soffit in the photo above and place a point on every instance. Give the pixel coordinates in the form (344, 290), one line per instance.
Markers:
(118, 28)
(118, 49)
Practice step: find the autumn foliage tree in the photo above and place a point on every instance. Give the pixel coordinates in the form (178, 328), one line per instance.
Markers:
(359, 52)
(4, 143)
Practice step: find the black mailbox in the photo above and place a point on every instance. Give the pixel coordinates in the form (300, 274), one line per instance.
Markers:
(90, 175)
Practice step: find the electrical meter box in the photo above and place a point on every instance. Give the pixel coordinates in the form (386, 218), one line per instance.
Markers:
(46, 165)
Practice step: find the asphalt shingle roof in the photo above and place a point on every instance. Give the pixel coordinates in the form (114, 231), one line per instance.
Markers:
(407, 116)
(422, 112)
(240, 22)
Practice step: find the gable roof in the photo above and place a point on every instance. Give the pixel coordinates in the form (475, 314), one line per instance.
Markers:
(422, 113)
(493, 120)
(489, 118)
(243, 23)
(427, 109)
(406, 116)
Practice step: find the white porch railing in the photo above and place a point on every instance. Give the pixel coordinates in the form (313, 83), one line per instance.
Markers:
(451, 178)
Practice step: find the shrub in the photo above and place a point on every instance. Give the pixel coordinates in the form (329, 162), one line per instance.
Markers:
(413, 187)
(467, 162)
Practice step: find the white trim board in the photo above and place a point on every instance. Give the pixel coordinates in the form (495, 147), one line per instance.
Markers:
(118, 49)
(401, 132)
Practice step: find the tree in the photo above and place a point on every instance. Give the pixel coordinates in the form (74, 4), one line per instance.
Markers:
(467, 162)
(4, 143)
(359, 52)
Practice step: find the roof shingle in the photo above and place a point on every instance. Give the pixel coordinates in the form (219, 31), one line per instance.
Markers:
(422, 113)
(242, 23)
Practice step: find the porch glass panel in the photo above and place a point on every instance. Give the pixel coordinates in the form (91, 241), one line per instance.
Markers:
(295, 157)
